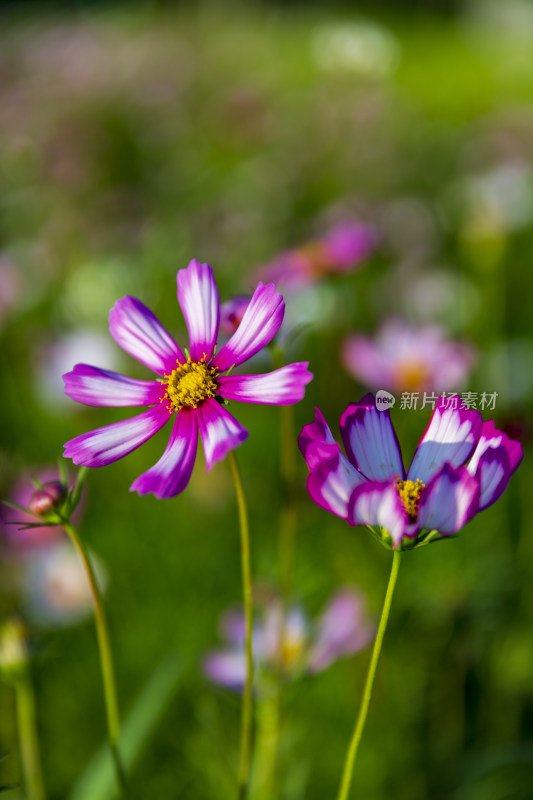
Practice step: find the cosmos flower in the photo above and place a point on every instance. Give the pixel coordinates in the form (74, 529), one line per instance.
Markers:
(288, 642)
(190, 388)
(341, 250)
(439, 494)
(406, 358)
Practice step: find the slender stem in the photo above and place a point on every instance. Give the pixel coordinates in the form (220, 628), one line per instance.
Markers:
(29, 742)
(369, 683)
(268, 729)
(246, 719)
(106, 658)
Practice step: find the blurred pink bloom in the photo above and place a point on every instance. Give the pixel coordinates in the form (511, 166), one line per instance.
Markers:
(288, 643)
(232, 312)
(406, 358)
(341, 250)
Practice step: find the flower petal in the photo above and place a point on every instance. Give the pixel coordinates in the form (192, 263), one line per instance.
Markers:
(316, 441)
(105, 445)
(198, 298)
(495, 459)
(138, 331)
(333, 479)
(379, 503)
(284, 386)
(172, 472)
(450, 438)
(342, 630)
(219, 430)
(101, 387)
(226, 668)
(370, 441)
(450, 500)
(260, 323)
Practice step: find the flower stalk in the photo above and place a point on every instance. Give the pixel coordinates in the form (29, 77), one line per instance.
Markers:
(369, 683)
(247, 701)
(106, 658)
(29, 742)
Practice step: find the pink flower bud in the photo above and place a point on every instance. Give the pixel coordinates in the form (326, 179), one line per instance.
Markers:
(47, 499)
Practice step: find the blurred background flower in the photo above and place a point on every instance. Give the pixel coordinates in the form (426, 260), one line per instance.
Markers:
(287, 643)
(402, 357)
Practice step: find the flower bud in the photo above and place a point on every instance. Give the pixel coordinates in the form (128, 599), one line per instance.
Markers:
(13, 648)
(48, 499)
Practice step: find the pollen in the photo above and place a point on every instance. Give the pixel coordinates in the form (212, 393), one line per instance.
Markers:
(410, 493)
(189, 384)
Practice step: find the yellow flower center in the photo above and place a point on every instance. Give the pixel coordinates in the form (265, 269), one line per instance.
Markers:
(189, 384)
(411, 374)
(291, 650)
(410, 492)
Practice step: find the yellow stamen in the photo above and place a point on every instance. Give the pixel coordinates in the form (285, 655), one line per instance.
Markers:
(410, 492)
(189, 384)
(291, 649)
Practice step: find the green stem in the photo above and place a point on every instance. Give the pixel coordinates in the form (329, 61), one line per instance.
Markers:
(29, 743)
(106, 658)
(246, 719)
(369, 683)
(268, 728)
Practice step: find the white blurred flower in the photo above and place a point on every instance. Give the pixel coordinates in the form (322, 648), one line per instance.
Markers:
(84, 345)
(54, 587)
(362, 48)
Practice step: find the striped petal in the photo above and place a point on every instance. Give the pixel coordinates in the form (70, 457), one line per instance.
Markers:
(260, 323)
(332, 481)
(138, 331)
(219, 430)
(316, 441)
(105, 445)
(450, 438)
(379, 504)
(495, 459)
(172, 472)
(284, 386)
(198, 298)
(101, 387)
(450, 500)
(370, 441)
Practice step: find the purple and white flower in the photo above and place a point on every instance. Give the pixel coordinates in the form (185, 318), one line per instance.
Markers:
(341, 250)
(402, 357)
(286, 643)
(461, 466)
(190, 388)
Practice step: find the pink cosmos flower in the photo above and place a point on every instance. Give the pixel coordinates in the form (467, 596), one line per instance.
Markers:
(288, 643)
(406, 358)
(190, 387)
(439, 494)
(346, 246)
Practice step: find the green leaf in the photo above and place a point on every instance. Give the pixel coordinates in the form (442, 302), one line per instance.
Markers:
(97, 781)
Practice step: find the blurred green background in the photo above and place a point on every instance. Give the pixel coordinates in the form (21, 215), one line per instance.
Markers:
(137, 136)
